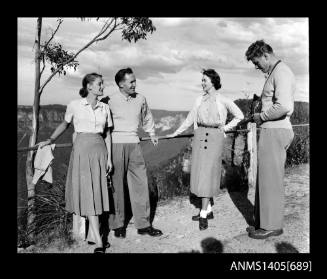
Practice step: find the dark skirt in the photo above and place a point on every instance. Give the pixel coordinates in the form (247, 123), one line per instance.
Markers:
(207, 150)
(86, 183)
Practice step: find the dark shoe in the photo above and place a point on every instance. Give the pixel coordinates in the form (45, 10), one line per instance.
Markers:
(120, 232)
(99, 250)
(250, 229)
(203, 223)
(196, 217)
(106, 245)
(150, 231)
(262, 234)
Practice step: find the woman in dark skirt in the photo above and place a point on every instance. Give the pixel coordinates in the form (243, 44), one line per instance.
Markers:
(208, 116)
(90, 161)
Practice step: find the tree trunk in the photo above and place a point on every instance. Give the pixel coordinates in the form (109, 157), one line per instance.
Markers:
(34, 129)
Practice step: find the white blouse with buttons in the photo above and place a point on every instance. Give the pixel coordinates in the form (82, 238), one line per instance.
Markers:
(86, 119)
(217, 116)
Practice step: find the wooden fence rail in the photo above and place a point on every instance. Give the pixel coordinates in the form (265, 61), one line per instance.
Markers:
(61, 145)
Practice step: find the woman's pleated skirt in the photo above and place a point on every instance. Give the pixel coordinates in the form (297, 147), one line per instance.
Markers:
(86, 184)
(207, 150)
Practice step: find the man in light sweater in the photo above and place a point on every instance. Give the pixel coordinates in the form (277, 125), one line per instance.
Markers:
(129, 109)
(276, 135)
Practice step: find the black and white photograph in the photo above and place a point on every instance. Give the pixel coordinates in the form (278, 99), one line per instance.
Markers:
(164, 135)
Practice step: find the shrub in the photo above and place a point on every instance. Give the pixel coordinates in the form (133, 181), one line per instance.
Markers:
(51, 218)
(299, 150)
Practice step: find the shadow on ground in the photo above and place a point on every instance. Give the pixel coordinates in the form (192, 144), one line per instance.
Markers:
(209, 245)
(235, 182)
(285, 247)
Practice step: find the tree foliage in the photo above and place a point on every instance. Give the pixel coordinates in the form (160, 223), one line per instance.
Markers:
(135, 28)
(57, 56)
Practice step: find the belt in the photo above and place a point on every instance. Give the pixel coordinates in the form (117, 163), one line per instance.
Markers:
(218, 126)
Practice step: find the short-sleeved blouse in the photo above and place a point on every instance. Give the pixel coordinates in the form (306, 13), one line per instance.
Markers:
(86, 119)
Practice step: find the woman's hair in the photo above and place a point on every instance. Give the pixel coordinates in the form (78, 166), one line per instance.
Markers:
(121, 75)
(257, 49)
(89, 78)
(214, 77)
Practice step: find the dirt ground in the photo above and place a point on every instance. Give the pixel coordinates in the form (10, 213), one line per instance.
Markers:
(226, 232)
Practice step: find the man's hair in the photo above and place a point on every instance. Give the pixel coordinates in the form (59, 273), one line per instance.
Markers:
(257, 49)
(214, 77)
(121, 75)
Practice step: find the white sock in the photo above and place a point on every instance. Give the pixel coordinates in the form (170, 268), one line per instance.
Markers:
(209, 208)
(203, 213)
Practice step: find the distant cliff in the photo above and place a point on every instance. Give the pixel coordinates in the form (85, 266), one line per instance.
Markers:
(51, 115)
(165, 121)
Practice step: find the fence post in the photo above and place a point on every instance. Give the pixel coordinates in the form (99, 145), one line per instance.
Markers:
(252, 149)
(79, 230)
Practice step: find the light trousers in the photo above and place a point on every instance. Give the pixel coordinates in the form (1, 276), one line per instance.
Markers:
(129, 166)
(269, 198)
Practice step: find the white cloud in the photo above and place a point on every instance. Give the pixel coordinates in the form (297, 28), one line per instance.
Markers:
(168, 63)
(170, 22)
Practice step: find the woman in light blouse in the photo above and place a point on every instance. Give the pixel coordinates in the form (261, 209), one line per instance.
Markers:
(86, 191)
(208, 116)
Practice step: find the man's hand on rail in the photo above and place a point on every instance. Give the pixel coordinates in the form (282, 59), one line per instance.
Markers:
(154, 140)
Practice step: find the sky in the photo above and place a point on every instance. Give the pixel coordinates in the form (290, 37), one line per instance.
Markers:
(168, 64)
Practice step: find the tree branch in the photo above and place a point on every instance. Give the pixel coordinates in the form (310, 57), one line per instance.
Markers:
(106, 36)
(42, 67)
(104, 27)
(95, 39)
(53, 33)
(65, 63)
(47, 43)
(99, 37)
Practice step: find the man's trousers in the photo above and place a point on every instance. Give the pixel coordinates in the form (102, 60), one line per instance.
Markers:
(269, 198)
(128, 164)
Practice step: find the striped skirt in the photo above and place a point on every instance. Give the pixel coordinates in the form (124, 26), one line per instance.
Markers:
(86, 184)
(207, 150)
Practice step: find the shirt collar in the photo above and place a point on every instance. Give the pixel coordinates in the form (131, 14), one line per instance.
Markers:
(85, 103)
(206, 95)
(127, 99)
